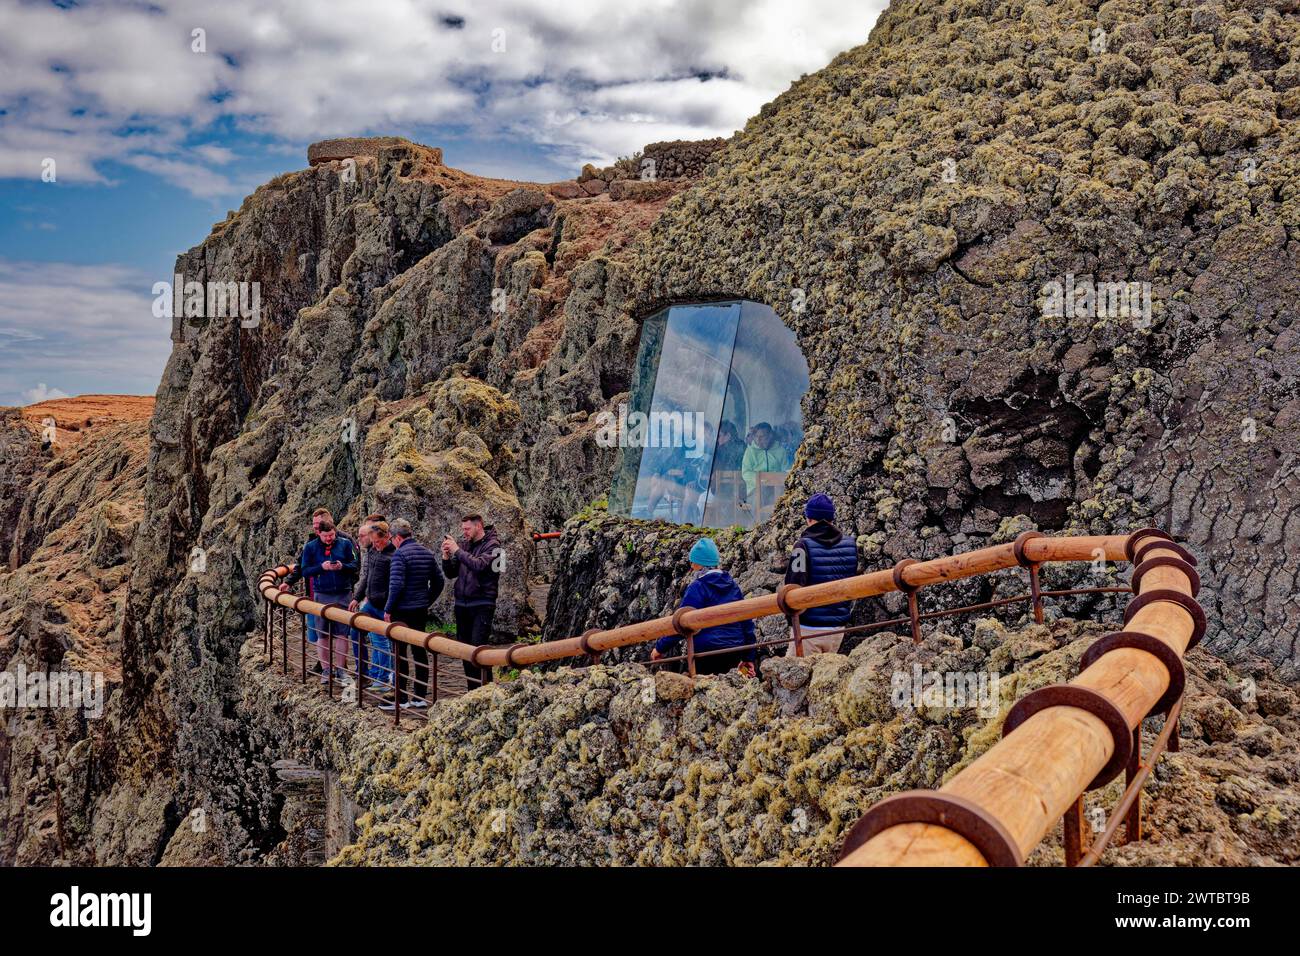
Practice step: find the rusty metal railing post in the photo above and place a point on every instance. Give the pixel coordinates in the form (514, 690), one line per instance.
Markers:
(329, 648)
(687, 635)
(1072, 833)
(913, 610)
(361, 655)
(284, 640)
(1035, 591)
(433, 678)
(302, 620)
(1133, 819)
(792, 615)
(593, 656)
(396, 647)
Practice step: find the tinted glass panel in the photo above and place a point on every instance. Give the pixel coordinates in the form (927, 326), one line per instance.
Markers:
(713, 421)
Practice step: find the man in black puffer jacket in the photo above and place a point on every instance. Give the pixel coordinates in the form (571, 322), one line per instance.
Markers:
(414, 583)
(476, 563)
(821, 554)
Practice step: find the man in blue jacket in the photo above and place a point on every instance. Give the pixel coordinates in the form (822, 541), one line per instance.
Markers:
(295, 574)
(711, 586)
(822, 553)
(414, 583)
(329, 563)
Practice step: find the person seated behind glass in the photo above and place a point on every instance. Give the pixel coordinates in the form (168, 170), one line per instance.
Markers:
(730, 451)
(763, 454)
(789, 436)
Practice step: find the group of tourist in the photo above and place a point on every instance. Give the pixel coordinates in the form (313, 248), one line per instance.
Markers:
(822, 553)
(694, 478)
(390, 575)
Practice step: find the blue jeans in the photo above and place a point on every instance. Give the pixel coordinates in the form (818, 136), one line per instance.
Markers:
(380, 666)
(313, 625)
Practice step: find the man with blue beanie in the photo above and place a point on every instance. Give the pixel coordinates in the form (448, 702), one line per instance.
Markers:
(821, 554)
(710, 586)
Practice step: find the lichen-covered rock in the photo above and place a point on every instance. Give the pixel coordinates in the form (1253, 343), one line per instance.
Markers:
(920, 192)
(611, 765)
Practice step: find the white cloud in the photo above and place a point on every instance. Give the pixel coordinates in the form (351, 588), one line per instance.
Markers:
(42, 393)
(591, 79)
(60, 323)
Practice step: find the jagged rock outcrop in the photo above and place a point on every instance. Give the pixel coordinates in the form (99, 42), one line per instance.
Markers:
(21, 457)
(60, 611)
(611, 765)
(428, 337)
(429, 343)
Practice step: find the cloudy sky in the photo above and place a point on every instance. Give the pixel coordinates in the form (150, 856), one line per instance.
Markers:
(152, 119)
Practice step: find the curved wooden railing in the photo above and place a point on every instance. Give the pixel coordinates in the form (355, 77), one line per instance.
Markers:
(907, 575)
(1060, 740)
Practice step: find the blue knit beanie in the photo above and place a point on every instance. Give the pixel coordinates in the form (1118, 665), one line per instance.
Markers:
(705, 553)
(820, 508)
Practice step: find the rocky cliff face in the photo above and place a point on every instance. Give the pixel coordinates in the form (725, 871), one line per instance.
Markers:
(431, 341)
(922, 190)
(75, 507)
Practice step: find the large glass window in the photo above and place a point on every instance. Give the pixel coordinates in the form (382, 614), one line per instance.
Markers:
(713, 421)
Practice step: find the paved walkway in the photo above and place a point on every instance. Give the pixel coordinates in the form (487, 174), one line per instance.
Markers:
(450, 671)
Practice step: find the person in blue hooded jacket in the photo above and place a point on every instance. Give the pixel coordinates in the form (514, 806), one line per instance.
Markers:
(711, 586)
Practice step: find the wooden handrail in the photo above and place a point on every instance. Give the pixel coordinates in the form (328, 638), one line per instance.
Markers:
(1027, 781)
(1059, 741)
(1038, 550)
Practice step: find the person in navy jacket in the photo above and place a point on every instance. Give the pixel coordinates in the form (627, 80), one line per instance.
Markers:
(711, 586)
(822, 553)
(330, 563)
(414, 583)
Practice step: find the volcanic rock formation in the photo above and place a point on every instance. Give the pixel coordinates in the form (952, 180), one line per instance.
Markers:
(431, 340)
(615, 766)
(72, 509)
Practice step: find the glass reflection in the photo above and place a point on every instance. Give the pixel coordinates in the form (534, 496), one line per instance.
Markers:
(713, 420)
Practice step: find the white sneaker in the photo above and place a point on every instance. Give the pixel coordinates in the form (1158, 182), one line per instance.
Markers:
(416, 703)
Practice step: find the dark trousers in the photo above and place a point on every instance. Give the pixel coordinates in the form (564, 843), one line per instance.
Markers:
(720, 663)
(419, 685)
(474, 626)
